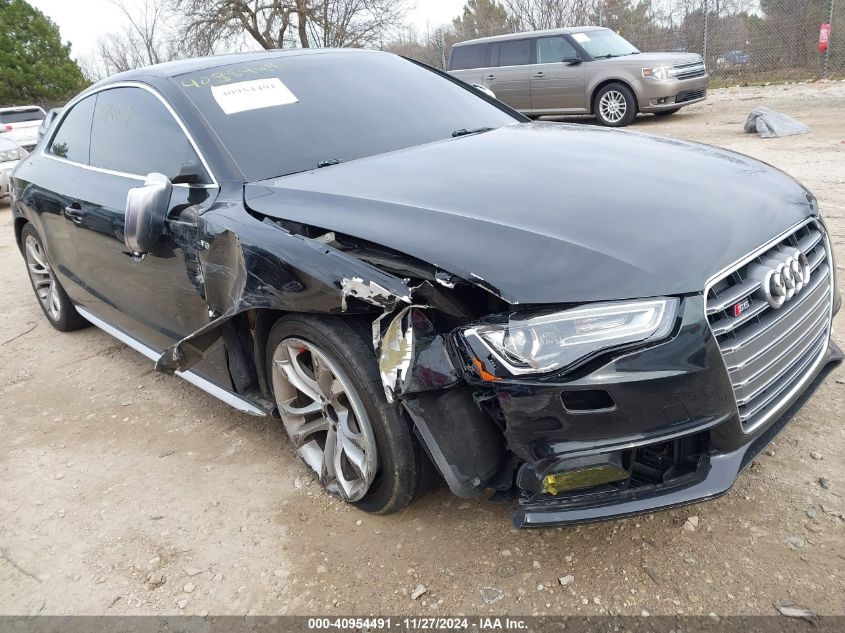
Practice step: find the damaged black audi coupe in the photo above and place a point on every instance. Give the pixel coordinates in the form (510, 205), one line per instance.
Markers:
(422, 283)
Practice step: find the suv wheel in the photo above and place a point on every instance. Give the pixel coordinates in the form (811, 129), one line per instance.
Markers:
(52, 298)
(615, 105)
(330, 397)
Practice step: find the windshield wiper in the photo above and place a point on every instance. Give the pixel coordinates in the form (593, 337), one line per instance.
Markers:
(328, 163)
(464, 131)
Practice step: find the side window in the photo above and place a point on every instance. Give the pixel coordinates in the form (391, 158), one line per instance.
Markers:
(134, 133)
(514, 52)
(469, 56)
(72, 139)
(554, 49)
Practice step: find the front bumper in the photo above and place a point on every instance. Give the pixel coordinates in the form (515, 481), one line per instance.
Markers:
(714, 476)
(6, 177)
(667, 413)
(655, 95)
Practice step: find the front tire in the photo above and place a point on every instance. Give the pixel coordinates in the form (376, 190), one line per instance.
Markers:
(615, 105)
(330, 397)
(52, 298)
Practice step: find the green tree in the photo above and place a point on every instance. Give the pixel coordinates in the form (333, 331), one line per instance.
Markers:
(481, 18)
(35, 66)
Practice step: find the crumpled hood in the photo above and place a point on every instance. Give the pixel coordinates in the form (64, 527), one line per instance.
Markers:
(552, 213)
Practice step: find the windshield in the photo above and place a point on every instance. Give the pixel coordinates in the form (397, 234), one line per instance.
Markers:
(604, 44)
(287, 114)
(19, 116)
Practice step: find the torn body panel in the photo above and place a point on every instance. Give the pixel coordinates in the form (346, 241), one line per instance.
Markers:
(258, 268)
(266, 269)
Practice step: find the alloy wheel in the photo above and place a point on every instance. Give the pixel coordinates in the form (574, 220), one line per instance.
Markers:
(612, 106)
(324, 418)
(42, 278)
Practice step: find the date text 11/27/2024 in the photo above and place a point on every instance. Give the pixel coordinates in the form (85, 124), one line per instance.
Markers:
(419, 623)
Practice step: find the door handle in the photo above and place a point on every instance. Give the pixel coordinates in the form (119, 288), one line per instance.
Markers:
(538, 75)
(491, 77)
(75, 212)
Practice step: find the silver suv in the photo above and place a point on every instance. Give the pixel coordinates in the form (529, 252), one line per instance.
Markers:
(580, 70)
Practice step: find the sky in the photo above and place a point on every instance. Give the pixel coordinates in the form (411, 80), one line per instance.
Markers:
(82, 21)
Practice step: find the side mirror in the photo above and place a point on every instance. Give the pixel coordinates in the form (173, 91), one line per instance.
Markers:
(485, 90)
(47, 122)
(572, 61)
(191, 173)
(146, 211)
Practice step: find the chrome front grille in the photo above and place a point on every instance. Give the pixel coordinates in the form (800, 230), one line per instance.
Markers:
(769, 351)
(688, 71)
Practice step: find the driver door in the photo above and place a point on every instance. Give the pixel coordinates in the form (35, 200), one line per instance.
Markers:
(558, 85)
(157, 298)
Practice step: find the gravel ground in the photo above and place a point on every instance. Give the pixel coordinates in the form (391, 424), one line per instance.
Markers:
(124, 491)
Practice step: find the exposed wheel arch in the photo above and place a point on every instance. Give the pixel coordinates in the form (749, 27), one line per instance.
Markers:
(263, 320)
(606, 82)
(19, 224)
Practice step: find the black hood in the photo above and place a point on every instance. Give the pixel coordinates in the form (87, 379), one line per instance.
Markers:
(552, 213)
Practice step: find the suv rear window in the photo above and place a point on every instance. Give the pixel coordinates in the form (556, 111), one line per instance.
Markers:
(469, 56)
(19, 116)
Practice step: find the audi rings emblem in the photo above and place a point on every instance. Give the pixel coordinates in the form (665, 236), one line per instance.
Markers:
(782, 275)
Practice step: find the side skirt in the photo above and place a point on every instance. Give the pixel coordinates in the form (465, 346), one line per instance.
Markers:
(233, 400)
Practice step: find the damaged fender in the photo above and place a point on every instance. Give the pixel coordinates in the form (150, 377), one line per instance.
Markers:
(267, 271)
(461, 440)
(257, 268)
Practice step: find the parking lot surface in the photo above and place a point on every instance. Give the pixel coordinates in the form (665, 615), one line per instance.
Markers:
(124, 491)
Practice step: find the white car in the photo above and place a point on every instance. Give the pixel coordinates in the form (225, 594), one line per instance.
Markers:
(20, 124)
(10, 154)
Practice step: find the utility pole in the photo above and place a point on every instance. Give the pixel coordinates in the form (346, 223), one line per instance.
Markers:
(441, 44)
(706, 14)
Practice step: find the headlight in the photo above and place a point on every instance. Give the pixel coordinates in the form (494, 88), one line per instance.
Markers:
(550, 342)
(661, 72)
(12, 154)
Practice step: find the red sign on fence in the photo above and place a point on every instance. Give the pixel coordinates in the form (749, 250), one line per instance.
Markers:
(824, 37)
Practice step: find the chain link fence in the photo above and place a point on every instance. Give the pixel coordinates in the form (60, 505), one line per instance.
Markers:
(741, 40)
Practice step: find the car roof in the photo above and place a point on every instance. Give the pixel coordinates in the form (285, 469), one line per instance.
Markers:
(21, 108)
(180, 67)
(543, 33)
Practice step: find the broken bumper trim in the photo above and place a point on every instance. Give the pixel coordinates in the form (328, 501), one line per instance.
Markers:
(715, 476)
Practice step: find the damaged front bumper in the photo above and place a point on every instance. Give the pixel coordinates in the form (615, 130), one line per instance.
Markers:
(664, 415)
(715, 471)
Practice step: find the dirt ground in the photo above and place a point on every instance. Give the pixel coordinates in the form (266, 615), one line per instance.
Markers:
(114, 478)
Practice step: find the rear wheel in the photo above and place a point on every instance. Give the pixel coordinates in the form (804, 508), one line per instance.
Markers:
(615, 105)
(330, 397)
(666, 112)
(52, 298)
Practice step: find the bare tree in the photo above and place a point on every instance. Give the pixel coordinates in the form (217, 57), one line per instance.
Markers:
(423, 47)
(359, 23)
(291, 23)
(266, 22)
(533, 15)
(150, 36)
